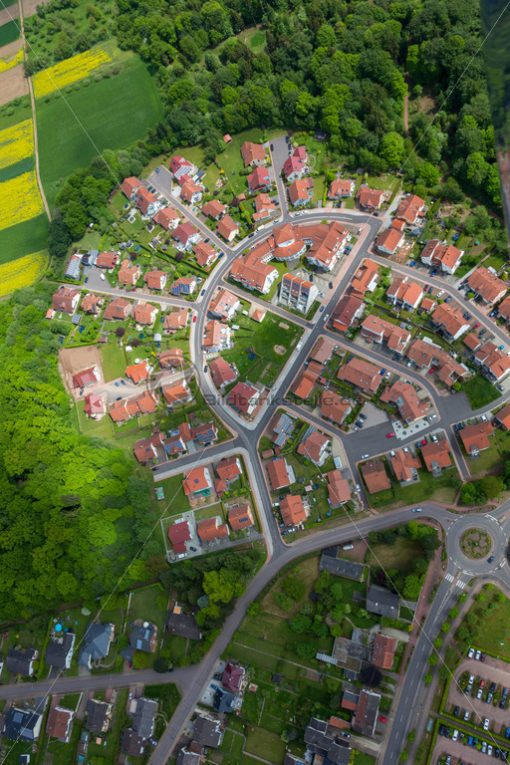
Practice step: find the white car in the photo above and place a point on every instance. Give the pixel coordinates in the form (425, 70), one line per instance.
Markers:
(486, 723)
(489, 750)
(471, 653)
(365, 456)
(477, 655)
(416, 510)
(479, 693)
(471, 679)
(455, 735)
(467, 715)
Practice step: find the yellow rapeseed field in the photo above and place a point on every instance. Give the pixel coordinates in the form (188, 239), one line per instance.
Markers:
(10, 63)
(69, 71)
(21, 272)
(16, 143)
(19, 200)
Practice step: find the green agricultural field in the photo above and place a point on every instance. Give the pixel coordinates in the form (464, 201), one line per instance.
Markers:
(9, 32)
(11, 171)
(15, 111)
(109, 114)
(23, 239)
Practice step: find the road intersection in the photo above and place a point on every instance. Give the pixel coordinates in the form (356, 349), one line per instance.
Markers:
(450, 409)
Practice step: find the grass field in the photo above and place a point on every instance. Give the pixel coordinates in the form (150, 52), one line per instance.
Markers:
(15, 111)
(479, 391)
(29, 236)
(146, 604)
(428, 487)
(401, 555)
(11, 171)
(112, 113)
(491, 629)
(9, 32)
(264, 744)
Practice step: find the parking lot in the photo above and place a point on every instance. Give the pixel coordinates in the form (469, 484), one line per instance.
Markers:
(492, 671)
(459, 753)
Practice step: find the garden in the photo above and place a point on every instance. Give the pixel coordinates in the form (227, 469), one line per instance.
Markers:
(475, 543)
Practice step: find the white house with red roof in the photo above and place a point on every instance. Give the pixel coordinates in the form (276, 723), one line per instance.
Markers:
(244, 397)
(185, 236)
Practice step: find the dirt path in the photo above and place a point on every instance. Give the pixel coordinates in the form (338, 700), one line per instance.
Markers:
(34, 116)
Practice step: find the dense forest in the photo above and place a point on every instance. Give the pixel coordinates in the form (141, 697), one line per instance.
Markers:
(343, 67)
(73, 511)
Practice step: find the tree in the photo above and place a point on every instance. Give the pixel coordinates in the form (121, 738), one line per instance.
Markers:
(428, 678)
(300, 624)
(491, 485)
(161, 664)
(59, 237)
(371, 676)
(392, 148)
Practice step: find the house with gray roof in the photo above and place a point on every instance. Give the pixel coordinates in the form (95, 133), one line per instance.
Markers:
(207, 731)
(383, 602)
(325, 740)
(143, 637)
(96, 643)
(339, 567)
(99, 714)
(144, 717)
(20, 662)
(59, 651)
(22, 724)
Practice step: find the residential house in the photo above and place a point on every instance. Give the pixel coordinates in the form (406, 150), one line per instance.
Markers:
(424, 353)
(264, 207)
(175, 320)
(369, 199)
(96, 643)
(147, 202)
(129, 187)
(259, 180)
(436, 456)
(132, 744)
(86, 377)
(503, 309)
(404, 293)
(59, 723)
(227, 228)
(155, 279)
(314, 446)
(341, 188)
(503, 417)
(191, 192)
(361, 374)
(177, 393)
(143, 637)
(184, 285)
(383, 651)
(205, 434)
(197, 483)
(253, 276)
(179, 533)
(486, 285)
(324, 744)
(326, 245)
(95, 406)
(171, 359)
(493, 361)
(118, 310)
(229, 470)
(375, 476)
(22, 724)
(475, 437)
(281, 473)
(59, 651)
(21, 661)
(224, 305)
(323, 350)
(404, 396)
(214, 209)
(129, 273)
(472, 341)
(305, 382)
(441, 255)
(144, 403)
(145, 313)
(146, 449)
(365, 279)
(377, 330)
(348, 311)
(222, 372)
(253, 154)
(217, 336)
(389, 241)
(240, 517)
(411, 209)
(185, 236)
(339, 566)
(292, 510)
(365, 717)
(181, 624)
(339, 491)
(178, 440)
(65, 299)
(107, 260)
(301, 192)
(138, 373)
(405, 466)
(334, 407)
(167, 218)
(207, 731)
(212, 529)
(297, 293)
(232, 678)
(450, 321)
(181, 167)
(382, 602)
(293, 168)
(282, 429)
(92, 303)
(244, 398)
(99, 715)
(205, 254)
(191, 754)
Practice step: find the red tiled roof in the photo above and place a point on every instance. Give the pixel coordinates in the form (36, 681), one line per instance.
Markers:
(222, 372)
(165, 217)
(227, 226)
(138, 372)
(487, 284)
(338, 488)
(304, 383)
(410, 208)
(155, 280)
(252, 152)
(368, 197)
(211, 528)
(375, 476)
(362, 374)
(278, 473)
(475, 437)
(333, 407)
(383, 652)
(292, 510)
(240, 517)
(179, 534)
(118, 309)
(436, 453)
(390, 239)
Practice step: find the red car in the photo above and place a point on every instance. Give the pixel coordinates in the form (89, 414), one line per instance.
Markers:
(382, 719)
(477, 325)
(194, 319)
(390, 435)
(423, 442)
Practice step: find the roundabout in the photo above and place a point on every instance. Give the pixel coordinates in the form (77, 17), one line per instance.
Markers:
(475, 543)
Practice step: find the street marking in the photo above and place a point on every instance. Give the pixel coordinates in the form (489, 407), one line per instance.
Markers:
(449, 577)
(460, 584)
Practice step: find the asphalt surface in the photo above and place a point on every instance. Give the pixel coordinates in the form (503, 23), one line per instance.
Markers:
(450, 409)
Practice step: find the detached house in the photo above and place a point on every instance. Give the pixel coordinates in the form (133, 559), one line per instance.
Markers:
(341, 189)
(222, 372)
(436, 456)
(280, 473)
(390, 240)
(301, 192)
(314, 446)
(138, 372)
(411, 209)
(92, 303)
(493, 361)
(253, 276)
(181, 167)
(198, 483)
(379, 330)
(348, 311)
(293, 168)
(264, 207)
(129, 187)
(259, 180)
(227, 228)
(217, 337)
(191, 192)
(129, 273)
(487, 285)
(175, 320)
(361, 374)
(224, 305)
(65, 299)
(375, 476)
(404, 293)
(184, 285)
(253, 154)
(212, 529)
(293, 510)
(369, 199)
(205, 254)
(365, 279)
(155, 280)
(145, 313)
(179, 393)
(475, 438)
(146, 201)
(118, 310)
(244, 398)
(21, 662)
(441, 255)
(214, 209)
(107, 260)
(450, 321)
(185, 236)
(167, 218)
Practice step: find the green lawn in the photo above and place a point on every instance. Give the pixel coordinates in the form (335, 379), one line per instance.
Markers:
(113, 359)
(264, 744)
(175, 501)
(231, 161)
(9, 32)
(439, 489)
(490, 631)
(363, 759)
(400, 555)
(487, 460)
(24, 238)
(112, 113)
(149, 603)
(479, 391)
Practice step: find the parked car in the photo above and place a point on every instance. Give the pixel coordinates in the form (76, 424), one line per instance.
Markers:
(390, 435)
(477, 656)
(467, 715)
(486, 722)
